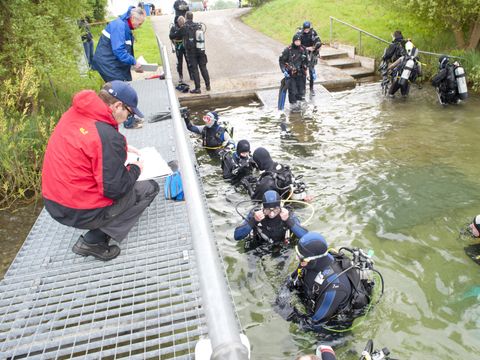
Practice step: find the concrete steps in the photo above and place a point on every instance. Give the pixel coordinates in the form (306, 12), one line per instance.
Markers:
(343, 57)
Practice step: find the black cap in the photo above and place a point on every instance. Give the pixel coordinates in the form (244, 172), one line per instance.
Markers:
(296, 37)
(262, 157)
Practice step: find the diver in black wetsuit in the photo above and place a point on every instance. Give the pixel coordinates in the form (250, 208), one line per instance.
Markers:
(271, 223)
(276, 177)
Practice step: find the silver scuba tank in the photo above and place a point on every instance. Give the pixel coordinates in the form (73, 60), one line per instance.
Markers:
(461, 82)
(200, 39)
(407, 70)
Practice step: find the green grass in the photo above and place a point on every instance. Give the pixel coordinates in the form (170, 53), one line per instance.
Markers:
(145, 41)
(279, 19)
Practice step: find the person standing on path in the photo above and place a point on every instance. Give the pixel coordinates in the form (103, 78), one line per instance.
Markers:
(114, 56)
(194, 42)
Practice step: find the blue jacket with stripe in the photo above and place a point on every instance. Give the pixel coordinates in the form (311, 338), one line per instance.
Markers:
(114, 54)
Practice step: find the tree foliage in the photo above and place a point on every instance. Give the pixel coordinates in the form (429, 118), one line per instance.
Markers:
(40, 48)
(98, 9)
(460, 16)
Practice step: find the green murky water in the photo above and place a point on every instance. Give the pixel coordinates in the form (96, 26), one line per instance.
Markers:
(400, 177)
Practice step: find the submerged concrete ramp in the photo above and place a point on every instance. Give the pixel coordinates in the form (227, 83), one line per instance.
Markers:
(145, 304)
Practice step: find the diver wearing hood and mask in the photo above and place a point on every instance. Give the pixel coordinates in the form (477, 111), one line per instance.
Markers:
(238, 165)
(270, 224)
(450, 82)
(294, 63)
(276, 177)
(329, 284)
(214, 136)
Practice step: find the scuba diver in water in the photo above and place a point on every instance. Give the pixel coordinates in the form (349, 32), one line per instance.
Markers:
(395, 50)
(405, 70)
(473, 250)
(276, 177)
(330, 285)
(293, 64)
(312, 43)
(270, 224)
(450, 82)
(237, 166)
(214, 136)
(391, 54)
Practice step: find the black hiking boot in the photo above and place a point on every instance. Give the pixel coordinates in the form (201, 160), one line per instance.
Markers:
(100, 250)
(195, 91)
(208, 87)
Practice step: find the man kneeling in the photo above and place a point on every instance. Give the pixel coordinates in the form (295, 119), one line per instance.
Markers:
(85, 182)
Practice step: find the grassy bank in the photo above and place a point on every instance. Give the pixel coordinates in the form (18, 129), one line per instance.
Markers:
(279, 19)
(373, 16)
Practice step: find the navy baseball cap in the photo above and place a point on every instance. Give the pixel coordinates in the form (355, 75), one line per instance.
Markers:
(126, 94)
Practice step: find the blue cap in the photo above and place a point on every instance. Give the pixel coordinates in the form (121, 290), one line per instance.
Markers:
(271, 199)
(126, 94)
(307, 25)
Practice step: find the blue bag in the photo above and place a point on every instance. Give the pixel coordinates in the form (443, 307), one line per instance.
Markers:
(174, 187)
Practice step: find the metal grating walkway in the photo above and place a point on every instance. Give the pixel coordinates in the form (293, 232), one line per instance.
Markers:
(144, 304)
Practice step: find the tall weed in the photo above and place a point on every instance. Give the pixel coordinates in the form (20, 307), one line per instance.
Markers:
(24, 132)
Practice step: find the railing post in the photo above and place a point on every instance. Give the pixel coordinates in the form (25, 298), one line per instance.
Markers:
(331, 30)
(360, 43)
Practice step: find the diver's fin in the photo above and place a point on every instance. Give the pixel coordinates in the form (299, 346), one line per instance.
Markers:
(282, 94)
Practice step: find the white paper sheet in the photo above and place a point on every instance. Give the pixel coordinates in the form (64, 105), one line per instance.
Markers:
(146, 66)
(153, 163)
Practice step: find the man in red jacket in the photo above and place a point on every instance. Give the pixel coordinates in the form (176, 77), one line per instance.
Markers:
(85, 182)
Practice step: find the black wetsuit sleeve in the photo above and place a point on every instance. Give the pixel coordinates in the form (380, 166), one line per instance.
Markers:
(389, 52)
(441, 76)
(283, 59)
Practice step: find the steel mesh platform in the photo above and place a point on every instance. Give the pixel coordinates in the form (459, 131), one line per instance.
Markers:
(144, 304)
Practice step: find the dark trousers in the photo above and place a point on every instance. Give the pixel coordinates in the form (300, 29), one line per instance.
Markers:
(118, 219)
(180, 55)
(296, 88)
(198, 59)
(88, 47)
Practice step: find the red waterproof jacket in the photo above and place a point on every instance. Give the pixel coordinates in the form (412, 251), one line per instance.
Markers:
(83, 169)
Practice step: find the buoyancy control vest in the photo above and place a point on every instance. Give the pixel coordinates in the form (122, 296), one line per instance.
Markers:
(296, 60)
(282, 177)
(213, 136)
(361, 286)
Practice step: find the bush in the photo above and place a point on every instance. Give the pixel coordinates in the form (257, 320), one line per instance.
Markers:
(98, 9)
(24, 131)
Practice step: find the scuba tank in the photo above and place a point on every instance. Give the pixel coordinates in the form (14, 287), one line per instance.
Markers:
(407, 70)
(200, 38)
(461, 82)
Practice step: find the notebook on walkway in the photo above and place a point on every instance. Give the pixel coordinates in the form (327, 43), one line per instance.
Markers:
(153, 163)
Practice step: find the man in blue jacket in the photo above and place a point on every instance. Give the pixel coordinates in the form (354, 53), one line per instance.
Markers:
(114, 55)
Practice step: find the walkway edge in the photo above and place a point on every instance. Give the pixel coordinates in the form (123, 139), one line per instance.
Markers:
(222, 324)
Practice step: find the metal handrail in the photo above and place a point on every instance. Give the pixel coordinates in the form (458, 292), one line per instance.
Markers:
(361, 31)
(217, 303)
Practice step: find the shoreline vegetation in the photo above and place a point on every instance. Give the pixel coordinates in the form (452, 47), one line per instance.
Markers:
(40, 72)
(377, 17)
